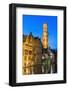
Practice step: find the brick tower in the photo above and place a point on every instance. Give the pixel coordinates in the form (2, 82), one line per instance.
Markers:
(45, 36)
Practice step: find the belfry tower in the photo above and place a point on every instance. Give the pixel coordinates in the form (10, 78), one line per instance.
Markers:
(45, 36)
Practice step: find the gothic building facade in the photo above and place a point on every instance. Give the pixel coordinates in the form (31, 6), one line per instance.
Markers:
(32, 54)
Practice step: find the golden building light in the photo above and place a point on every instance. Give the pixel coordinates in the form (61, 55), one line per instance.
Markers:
(45, 36)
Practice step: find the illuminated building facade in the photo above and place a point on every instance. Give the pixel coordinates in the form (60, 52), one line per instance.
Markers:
(32, 54)
(45, 36)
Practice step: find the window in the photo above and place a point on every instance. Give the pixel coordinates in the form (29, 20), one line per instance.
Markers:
(30, 52)
(25, 70)
(29, 57)
(26, 52)
(25, 57)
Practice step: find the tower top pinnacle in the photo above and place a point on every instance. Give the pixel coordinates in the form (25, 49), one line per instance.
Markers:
(45, 26)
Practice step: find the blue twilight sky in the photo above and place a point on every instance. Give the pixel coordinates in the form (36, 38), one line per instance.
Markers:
(34, 23)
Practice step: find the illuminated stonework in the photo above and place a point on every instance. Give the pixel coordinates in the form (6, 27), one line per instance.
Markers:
(45, 36)
(32, 55)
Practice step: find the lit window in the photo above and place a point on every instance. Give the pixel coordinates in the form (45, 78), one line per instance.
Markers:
(30, 52)
(29, 57)
(26, 52)
(25, 57)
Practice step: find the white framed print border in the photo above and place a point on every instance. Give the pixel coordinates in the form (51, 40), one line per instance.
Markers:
(18, 14)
